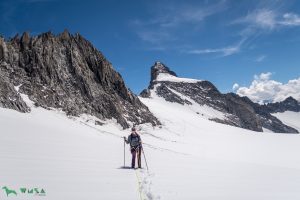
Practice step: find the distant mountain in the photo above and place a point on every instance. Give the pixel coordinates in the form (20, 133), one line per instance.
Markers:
(65, 71)
(289, 104)
(236, 111)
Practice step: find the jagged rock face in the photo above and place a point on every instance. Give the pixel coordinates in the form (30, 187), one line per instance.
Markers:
(244, 113)
(289, 104)
(158, 68)
(239, 111)
(67, 72)
(10, 98)
(264, 116)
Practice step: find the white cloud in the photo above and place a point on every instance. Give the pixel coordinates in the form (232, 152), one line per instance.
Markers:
(194, 14)
(263, 76)
(263, 89)
(262, 18)
(235, 86)
(266, 19)
(290, 19)
(169, 19)
(260, 58)
(224, 51)
(185, 13)
(154, 37)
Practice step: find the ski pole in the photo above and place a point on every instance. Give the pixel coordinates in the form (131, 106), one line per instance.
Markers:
(145, 158)
(124, 153)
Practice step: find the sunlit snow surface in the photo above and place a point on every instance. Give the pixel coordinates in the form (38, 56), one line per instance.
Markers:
(189, 157)
(290, 118)
(171, 78)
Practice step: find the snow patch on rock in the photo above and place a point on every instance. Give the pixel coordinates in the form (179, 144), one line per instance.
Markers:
(171, 78)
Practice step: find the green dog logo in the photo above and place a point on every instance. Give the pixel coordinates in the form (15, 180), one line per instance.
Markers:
(9, 191)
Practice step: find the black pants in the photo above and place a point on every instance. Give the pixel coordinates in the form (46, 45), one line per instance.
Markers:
(136, 152)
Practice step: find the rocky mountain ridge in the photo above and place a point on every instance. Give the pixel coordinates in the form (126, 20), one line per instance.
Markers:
(238, 111)
(289, 104)
(67, 72)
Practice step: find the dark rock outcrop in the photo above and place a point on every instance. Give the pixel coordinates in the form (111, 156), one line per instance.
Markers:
(265, 118)
(289, 104)
(10, 98)
(65, 71)
(158, 68)
(239, 111)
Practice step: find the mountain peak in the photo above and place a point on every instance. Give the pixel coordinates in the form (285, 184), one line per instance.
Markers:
(290, 99)
(66, 35)
(66, 72)
(208, 102)
(158, 68)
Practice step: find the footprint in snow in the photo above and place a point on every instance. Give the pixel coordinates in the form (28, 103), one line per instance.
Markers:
(146, 186)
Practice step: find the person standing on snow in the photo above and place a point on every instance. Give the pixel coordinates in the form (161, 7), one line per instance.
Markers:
(135, 142)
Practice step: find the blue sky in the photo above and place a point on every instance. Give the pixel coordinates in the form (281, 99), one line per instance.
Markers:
(225, 42)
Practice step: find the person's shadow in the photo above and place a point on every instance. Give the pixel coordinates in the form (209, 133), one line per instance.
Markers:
(124, 167)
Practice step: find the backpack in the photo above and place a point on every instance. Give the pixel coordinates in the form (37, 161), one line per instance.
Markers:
(134, 140)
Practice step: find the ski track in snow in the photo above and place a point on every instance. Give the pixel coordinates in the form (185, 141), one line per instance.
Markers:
(146, 185)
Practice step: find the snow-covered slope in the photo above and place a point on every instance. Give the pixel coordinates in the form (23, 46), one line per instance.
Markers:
(220, 161)
(189, 157)
(290, 118)
(45, 149)
(171, 78)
